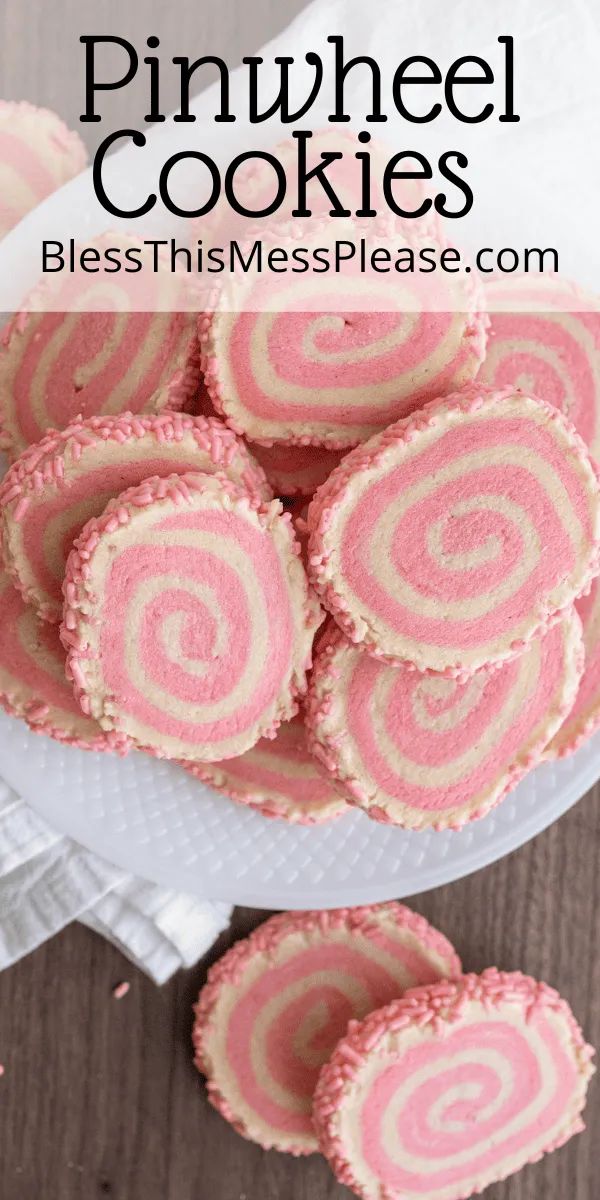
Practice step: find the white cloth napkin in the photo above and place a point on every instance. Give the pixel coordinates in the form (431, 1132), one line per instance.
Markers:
(47, 881)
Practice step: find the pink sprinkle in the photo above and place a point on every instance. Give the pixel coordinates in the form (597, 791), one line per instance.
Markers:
(121, 990)
(1, 1070)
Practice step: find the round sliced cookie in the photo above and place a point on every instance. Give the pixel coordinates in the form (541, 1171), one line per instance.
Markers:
(293, 360)
(430, 752)
(58, 485)
(450, 540)
(97, 344)
(583, 718)
(296, 470)
(188, 618)
(33, 683)
(37, 155)
(277, 1003)
(453, 1087)
(279, 777)
(549, 346)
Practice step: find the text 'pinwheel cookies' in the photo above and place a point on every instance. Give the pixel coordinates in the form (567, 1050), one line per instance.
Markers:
(427, 751)
(188, 618)
(55, 487)
(452, 1088)
(453, 538)
(121, 344)
(276, 1004)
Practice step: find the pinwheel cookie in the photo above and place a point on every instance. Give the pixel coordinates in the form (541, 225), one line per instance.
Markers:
(548, 346)
(279, 777)
(289, 359)
(276, 1004)
(427, 751)
(451, 539)
(56, 486)
(452, 1088)
(188, 618)
(33, 684)
(97, 344)
(37, 155)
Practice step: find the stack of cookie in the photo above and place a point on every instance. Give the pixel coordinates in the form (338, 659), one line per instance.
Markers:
(355, 1032)
(192, 497)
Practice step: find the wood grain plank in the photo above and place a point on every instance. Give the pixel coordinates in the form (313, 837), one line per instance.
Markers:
(100, 1097)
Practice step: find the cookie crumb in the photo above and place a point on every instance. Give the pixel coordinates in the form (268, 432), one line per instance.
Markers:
(121, 990)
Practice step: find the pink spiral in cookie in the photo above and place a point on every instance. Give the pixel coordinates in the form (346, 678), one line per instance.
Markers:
(188, 618)
(553, 352)
(276, 1004)
(59, 484)
(453, 1087)
(33, 683)
(455, 536)
(330, 359)
(37, 155)
(97, 344)
(427, 751)
(279, 777)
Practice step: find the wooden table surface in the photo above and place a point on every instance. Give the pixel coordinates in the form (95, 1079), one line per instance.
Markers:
(99, 1096)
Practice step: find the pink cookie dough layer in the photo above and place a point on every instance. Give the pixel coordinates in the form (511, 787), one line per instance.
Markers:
(188, 618)
(60, 366)
(58, 485)
(553, 352)
(451, 539)
(291, 358)
(584, 717)
(33, 684)
(276, 1004)
(37, 155)
(296, 470)
(279, 778)
(452, 1088)
(429, 752)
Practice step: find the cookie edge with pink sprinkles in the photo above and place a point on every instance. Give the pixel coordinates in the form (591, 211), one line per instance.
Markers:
(326, 748)
(438, 1005)
(266, 939)
(179, 490)
(330, 497)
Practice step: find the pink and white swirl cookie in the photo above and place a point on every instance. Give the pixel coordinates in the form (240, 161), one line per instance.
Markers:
(56, 486)
(553, 352)
(37, 155)
(313, 359)
(102, 344)
(455, 536)
(430, 752)
(453, 1087)
(279, 777)
(33, 683)
(276, 1004)
(188, 618)
(584, 717)
(296, 470)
